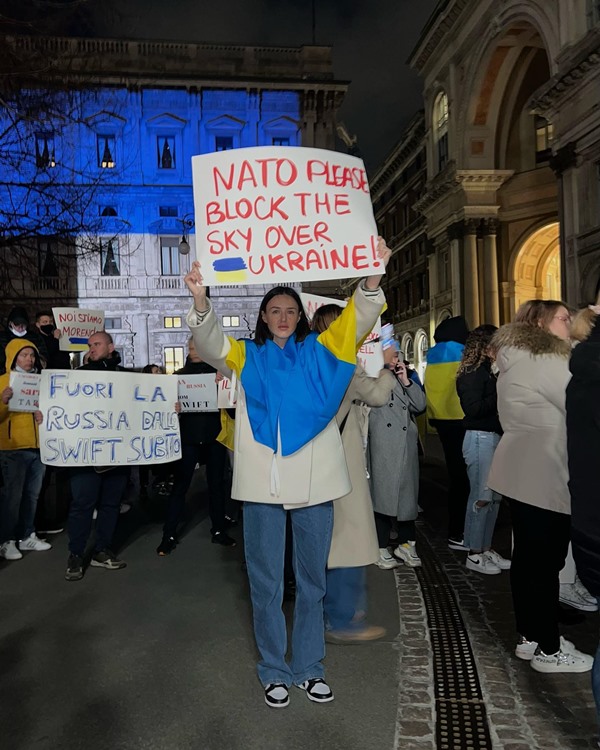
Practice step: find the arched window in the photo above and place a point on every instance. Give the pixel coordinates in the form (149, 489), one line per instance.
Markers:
(440, 129)
(421, 347)
(407, 347)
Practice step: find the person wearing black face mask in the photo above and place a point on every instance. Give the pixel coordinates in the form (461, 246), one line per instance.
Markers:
(56, 359)
(17, 326)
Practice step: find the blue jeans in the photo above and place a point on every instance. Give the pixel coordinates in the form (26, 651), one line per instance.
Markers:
(264, 540)
(22, 473)
(93, 491)
(596, 679)
(345, 600)
(478, 451)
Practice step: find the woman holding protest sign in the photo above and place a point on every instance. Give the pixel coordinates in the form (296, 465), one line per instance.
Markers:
(288, 456)
(22, 470)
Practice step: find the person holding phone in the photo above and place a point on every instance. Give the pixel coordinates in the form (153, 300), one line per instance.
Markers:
(393, 459)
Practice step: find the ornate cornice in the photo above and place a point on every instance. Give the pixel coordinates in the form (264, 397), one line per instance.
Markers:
(574, 68)
(440, 24)
(410, 143)
(470, 181)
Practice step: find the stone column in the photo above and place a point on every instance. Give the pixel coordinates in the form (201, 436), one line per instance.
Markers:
(455, 234)
(562, 164)
(471, 275)
(491, 306)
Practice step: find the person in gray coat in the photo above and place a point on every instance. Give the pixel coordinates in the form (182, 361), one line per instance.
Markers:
(394, 467)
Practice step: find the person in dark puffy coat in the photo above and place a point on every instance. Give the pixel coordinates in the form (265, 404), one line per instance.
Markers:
(199, 431)
(583, 448)
(476, 388)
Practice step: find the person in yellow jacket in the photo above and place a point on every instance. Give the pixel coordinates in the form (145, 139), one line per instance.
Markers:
(22, 470)
(445, 414)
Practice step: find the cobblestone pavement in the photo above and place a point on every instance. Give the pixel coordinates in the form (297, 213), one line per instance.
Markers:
(525, 709)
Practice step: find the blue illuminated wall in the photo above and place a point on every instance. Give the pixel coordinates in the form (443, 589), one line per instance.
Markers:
(126, 156)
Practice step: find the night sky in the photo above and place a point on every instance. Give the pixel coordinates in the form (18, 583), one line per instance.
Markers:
(372, 40)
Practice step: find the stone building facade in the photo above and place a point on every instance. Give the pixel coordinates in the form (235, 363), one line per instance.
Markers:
(395, 189)
(145, 108)
(512, 132)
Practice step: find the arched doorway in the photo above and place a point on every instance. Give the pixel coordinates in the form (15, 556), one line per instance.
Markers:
(536, 267)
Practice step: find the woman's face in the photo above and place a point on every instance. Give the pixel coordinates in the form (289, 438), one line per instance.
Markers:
(281, 316)
(26, 359)
(560, 325)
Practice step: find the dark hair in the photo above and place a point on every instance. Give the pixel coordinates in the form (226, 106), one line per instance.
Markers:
(476, 348)
(41, 314)
(262, 333)
(324, 317)
(147, 369)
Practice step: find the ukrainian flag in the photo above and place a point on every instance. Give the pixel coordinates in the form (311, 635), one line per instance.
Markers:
(440, 381)
(293, 393)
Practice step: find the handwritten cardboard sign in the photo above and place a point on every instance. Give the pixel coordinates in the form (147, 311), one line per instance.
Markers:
(370, 355)
(197, 393)
(77, 325)
(108, 418)
(280, 214)
(26, 391)
(226, 397)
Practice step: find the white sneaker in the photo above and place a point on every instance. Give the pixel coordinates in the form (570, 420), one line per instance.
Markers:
(525, 649)
(482, 564)
(33, 542)
(9, 551)
(566, 659)
(573, 595)
(584, 593)
(386, 561)
(457, 544)
(407, 553)
(498, 560)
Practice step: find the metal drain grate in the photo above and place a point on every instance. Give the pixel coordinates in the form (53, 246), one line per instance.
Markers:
(461, 720)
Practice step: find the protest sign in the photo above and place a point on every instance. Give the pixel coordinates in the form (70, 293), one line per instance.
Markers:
(280, 214)
(226, 398)
(104, 418)
(197, 393)
(370, 354)
(76, 326)
(26, 391)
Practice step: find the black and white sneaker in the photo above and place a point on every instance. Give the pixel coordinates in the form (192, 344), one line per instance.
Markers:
(277, 695)
(107, 559)
(74, 568)
(317, 690)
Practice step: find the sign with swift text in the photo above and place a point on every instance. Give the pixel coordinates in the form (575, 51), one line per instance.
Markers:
(370, 354)
(101, 418)
(26, 391)
(76, 326)
(197, 393)
(280, 214)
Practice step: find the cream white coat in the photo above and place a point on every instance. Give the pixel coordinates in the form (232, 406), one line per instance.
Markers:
(314, 474)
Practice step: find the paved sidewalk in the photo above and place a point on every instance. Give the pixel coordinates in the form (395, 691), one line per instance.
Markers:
(525, 709)
(160, 656)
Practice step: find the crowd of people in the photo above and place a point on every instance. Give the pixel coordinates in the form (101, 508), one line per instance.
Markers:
(326, 462)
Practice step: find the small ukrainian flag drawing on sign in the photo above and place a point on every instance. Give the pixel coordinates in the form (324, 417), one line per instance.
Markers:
(231, 270)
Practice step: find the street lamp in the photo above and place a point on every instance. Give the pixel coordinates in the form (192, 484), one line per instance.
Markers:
(186, 224)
